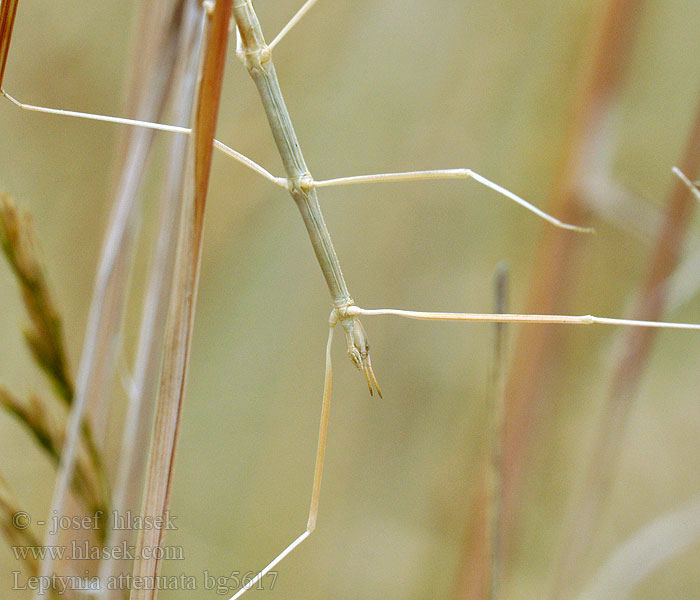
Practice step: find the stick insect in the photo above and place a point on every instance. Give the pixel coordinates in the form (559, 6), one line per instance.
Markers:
(257, 56)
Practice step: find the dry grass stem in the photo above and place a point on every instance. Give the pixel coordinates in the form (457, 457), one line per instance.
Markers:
(102, 336)
(35, 418)
(44, 336)
(484, 533)
(592, 499)
(183, 299)
(8, 12)
(555, 263)
(14, 535)
(139, 420)
(496, 414)
(650, 548)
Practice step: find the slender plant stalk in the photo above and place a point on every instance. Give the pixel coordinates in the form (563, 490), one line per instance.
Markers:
(487, 576)
(97, 365)
(35, 419)
(257, 57)
(44, 336)
(184, 296)
(473, 572)
(8, 12)
(153, 47)
(45, 340)
(555, 263)
(556, 258)
(15, 535)
(496, 412)
(142, 393)
(647, 550)
(594, 494)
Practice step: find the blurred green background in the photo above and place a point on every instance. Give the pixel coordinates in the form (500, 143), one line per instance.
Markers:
(375, 86)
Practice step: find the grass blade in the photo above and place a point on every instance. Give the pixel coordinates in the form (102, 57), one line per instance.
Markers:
(184, 296)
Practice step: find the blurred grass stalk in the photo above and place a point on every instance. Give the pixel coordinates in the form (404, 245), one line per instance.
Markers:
(554, 270)
(489, 522)
(184, 291)
(16, 536)
(45, 340)
(44, 337)
(35, 419)
(496, 419)
(97, 364)
(555, 266)
(484, 541)
(143, 387)
(166, 61)
(8, 12)
(592, 498)
(652, 546)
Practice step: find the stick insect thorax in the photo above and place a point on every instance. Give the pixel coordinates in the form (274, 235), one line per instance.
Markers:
(257, 57)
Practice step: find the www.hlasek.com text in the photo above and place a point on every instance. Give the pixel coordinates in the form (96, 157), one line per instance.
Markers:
(84, 550)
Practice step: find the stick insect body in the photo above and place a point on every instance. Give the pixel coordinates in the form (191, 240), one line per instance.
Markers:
(257, 57)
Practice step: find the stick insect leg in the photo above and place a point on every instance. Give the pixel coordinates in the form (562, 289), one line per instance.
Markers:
(450, 174)
(244, 160)
(292, 22)
(318, 470)
(94, 117)
(516, 318)
(8, 10)
(251, 164)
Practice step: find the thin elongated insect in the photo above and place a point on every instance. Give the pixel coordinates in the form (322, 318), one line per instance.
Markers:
(256, 54)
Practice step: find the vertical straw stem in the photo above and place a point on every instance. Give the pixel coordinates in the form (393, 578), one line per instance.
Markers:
(8, 12)
(142, 391)
(496, 412)
(184, 296)
(555, 262)
(102, 335)
(591, 502)
(480, 572)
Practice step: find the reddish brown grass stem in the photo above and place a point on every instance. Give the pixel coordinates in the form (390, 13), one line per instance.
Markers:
(8, 12)
(183, 300)
(592, 501)
(551, 280)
